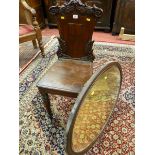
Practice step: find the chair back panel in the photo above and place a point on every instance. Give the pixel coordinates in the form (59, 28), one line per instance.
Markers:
(76, 22)
(76, 33)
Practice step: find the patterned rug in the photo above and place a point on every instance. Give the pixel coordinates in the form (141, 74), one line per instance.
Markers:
(41, 136)
(27, 52)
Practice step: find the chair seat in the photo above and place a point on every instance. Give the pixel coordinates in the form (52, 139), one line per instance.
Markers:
(25, 29)
(66, 77)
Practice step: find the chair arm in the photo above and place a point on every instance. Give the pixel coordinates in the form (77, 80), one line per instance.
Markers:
(28, 8)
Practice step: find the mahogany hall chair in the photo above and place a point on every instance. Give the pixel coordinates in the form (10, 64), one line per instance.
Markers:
(66, 77)
(29, 29)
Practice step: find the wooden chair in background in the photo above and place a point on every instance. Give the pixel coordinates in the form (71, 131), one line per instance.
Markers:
(124, 36)
(76, 22)
(29, 29)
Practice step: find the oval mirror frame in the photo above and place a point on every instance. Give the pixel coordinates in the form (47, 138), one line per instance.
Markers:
(79, 101)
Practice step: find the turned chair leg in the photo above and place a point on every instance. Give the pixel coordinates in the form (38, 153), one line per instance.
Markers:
(38, 35)
(40, 42)
(46, 102)
(34, 43)
(41, 46)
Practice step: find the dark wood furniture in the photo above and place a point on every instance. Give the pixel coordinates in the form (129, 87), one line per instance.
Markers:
(47, 3)
(67, 76)
(29, 29)
(124, 17)
(92, 109)
(103, 23)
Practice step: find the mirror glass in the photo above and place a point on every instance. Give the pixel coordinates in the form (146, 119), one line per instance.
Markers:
(96, 108)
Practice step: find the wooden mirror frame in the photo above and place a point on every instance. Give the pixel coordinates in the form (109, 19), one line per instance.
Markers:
(76, 107)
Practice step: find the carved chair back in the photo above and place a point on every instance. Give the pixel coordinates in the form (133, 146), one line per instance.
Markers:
(76, 22)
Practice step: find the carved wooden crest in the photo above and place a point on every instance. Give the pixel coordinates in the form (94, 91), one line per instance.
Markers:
(76, 6)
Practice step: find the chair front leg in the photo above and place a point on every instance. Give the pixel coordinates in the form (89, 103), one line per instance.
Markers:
(40, 42)
(34, 43)
(38, 35)
(46, 101)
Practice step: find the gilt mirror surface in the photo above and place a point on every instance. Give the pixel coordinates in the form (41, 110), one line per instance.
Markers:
(96, 108)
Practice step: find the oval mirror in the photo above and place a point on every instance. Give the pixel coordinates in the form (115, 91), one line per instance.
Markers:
(93, 108)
